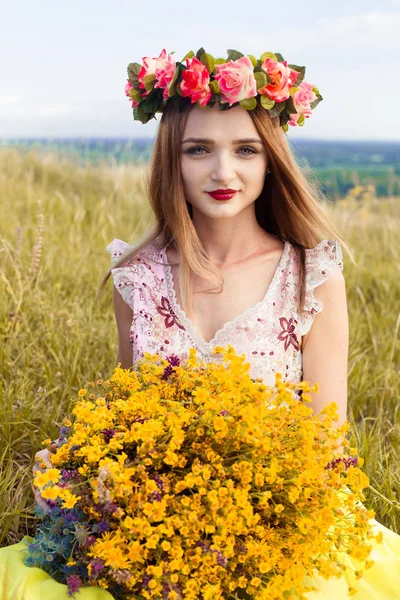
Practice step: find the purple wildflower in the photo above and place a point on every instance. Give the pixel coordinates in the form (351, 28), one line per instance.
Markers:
(145, 580)
(155, 497)
(138, 419)
(348, 462)
(221, 559)
(159, 482)
(90, 540)
(122, 575)
(96, 567)
(102, 526)
(224, 413)
(174, 361)
(74, 582)
(68, 474)
(108, 434)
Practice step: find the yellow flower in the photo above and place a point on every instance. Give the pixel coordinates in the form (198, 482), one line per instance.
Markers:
(50, 493)
(228, 475)
(70, 501)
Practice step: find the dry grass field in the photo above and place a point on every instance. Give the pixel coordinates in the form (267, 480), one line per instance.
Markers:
(57, 219)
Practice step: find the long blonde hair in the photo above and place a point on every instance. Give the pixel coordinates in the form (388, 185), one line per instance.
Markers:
(288, 207)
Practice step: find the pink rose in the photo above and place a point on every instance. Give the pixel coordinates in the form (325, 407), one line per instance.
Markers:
(148, 68)
(236, 80)
(195, 82)
(162, 67)
(282, 79)
(128, 87)
(165, 70)
(303, 98)
(293, 119)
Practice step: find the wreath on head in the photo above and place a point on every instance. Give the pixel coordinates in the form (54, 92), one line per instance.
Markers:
(240, 79)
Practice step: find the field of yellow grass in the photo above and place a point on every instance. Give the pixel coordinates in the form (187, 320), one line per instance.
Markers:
(55, 336)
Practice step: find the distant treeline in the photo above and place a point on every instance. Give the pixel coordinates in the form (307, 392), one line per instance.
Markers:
(338, 165)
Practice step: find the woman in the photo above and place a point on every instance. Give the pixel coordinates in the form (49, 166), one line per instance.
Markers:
(241, 253)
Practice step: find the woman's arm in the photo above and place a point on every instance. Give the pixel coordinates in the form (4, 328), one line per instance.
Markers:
(123, 317)
(325, 349)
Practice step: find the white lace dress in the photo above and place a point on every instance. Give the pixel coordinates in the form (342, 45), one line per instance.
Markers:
(269, 333)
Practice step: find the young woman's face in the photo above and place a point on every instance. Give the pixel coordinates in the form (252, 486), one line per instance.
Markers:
(226, 153)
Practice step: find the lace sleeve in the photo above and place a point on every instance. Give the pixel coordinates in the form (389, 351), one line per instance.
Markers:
(123, 276)
(320, 262)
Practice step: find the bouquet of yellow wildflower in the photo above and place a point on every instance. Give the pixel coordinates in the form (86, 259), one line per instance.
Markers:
(193, 480)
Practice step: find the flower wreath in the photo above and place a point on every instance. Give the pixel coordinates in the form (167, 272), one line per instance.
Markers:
(280, 88)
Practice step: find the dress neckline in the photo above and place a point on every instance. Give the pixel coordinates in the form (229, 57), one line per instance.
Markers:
(228, 325)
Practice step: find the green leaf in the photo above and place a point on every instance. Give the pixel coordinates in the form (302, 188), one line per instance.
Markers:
(253, 60)
(248, 103)
(149, 81)
(301, 120)
(316, 102)
(214, 85)
(266, 102)
(199, 52)
(135, 94)
(315, 90)
(140, 115)
(284, 118)
(261, 79)
(134, 68)
(171, 88)
(208, 61)
(188, 55)
(279, 57)
(220, 61)
(301, 70)
(267, 55)
(133, 71)
(285, 127)
(290, 106)
(234, 54)
(277, 109)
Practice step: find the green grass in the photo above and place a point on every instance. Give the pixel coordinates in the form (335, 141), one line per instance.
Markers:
(55, 336)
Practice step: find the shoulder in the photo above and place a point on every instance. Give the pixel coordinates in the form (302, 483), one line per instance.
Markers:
(127, 274)
(324, 281)
(324, 273)
(119, 248)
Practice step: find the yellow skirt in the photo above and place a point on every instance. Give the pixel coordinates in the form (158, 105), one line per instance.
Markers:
(380, 582)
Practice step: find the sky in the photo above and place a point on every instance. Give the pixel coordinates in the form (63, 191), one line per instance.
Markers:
(64, 64)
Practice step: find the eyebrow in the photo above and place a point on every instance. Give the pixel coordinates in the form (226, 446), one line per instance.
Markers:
(208, 141)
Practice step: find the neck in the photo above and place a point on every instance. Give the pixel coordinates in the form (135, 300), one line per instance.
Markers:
(231, 239)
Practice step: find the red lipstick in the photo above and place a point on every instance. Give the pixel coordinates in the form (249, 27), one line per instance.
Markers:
(222, 194)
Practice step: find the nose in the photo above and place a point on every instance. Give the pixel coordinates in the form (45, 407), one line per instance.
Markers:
(223, 167)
